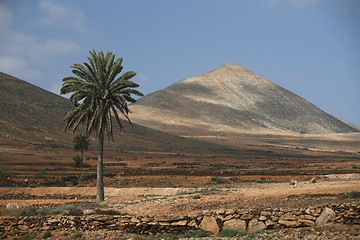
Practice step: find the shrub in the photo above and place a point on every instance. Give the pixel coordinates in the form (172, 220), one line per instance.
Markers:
(26, 211)
(352, 194)
(228, 233)
(78, 235)
(25, 237)
(107, 212)
(78, 161)
(195, 234)
(219, 180)
(39, 175)
(46, 234)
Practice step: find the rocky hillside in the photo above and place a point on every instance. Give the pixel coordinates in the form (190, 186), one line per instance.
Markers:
(33, 116)
(232, 99)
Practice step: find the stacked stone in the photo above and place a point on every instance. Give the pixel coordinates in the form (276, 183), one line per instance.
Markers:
(211, 221)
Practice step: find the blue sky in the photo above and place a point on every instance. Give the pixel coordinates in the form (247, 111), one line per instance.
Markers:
(310, 47)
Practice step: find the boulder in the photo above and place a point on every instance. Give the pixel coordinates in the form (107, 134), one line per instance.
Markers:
(327, 216)
(256, 225)
(209, 224)
(235, 224)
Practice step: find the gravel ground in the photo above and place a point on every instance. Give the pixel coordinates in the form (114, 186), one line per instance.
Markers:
(333, 232)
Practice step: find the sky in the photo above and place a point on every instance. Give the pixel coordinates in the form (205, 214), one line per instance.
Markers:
(310, 47)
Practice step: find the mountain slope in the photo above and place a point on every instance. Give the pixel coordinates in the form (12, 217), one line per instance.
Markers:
(33, 116)
(232, 99)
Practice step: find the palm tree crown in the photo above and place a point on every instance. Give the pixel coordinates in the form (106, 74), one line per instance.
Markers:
(81, 143)
(97, 92)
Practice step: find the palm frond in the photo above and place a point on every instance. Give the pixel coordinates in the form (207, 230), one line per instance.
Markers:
(98, 93)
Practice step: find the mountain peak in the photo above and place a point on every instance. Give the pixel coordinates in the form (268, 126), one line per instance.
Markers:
(231, 98)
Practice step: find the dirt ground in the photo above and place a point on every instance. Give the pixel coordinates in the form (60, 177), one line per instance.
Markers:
(145, 201)
(190, 182)
(188, 200)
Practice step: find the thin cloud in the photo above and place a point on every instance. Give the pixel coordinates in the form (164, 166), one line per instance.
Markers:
(5, 17)
(58, 15)
(22, 54)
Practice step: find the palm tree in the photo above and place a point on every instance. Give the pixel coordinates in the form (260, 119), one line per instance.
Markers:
(81, 143)
(98, 92)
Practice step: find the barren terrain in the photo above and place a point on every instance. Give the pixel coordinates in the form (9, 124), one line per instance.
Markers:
(247, 153)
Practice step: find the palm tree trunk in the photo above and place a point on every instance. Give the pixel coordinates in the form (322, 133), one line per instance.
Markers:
(100, 171)
(82, 156)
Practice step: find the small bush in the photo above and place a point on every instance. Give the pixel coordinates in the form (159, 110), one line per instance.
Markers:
(78, 161)
(228, 233)
(195, 234)
(219, 180)
(107, 212)
(46, 234)
(39, 175)
(196, 197)
(26, 211)
(25, 237)
(352, 194)
(78, 235)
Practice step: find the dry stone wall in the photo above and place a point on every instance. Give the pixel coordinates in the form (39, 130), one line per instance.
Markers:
(212, 221)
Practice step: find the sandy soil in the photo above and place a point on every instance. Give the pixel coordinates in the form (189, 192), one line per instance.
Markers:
(157, 201)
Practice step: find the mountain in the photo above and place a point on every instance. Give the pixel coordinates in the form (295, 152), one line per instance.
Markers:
(31, 116)
(232, 99)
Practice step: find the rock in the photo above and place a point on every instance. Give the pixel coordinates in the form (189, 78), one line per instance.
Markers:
(209, 224)
(265, 213)
(12, 206)
(262, 218)
(88, 211)
(297, 213)
(180, 223)
(23, 228)
(309, 211)
(256, 225)
(326, 216)
(192, 223)
(235, 224)
(135, 220)
(220, 211)
(313, 180)
(289, 220)
(289, 223)
(164, 223)
(246, 217)
(307, 217)
(269, 223)
(230, 212)
(307, 222)
(53, 220)
(289, 217)
(293, 182)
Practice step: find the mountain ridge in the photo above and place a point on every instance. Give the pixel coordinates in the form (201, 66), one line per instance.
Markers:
(231, 98)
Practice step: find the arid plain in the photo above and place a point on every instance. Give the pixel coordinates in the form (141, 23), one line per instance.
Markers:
(196, 146)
